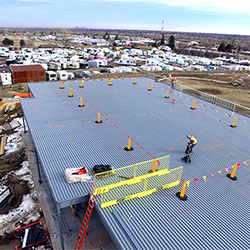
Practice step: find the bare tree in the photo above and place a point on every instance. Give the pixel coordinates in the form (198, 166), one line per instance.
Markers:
(64, 35)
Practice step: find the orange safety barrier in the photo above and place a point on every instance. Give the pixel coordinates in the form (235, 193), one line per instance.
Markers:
(23, 95)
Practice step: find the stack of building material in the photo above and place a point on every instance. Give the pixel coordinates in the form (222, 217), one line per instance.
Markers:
(7, 107)
(3, 144)
(2, 106)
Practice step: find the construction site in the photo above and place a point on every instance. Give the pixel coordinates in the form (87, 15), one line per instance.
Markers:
(104, 163)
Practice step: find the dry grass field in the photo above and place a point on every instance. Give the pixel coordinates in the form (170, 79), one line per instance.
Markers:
(220, 85)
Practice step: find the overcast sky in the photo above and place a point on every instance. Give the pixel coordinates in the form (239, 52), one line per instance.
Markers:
(214, 16)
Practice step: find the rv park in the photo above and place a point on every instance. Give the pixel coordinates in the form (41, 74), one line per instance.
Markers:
(75, 56)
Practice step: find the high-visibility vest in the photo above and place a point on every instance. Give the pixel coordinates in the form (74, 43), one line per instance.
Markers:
(192, 138)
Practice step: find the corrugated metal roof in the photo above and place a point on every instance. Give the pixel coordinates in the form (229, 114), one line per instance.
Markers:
(216, 214)
(22, 68)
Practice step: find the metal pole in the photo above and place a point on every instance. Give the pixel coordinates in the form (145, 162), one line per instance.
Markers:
(24, 127)
(60, 225)
(38, 168)
(29, 92)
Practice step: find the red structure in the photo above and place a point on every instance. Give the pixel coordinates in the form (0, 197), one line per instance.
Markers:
(28, 226)
(27, 73)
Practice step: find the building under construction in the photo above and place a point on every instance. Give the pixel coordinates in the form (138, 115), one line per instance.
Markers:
(138, 204)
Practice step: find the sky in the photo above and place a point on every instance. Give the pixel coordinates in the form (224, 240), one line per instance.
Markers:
(208, 16)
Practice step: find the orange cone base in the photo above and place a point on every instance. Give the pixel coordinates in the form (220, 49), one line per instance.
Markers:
(81, 86)
(166, 97)
(134, 83)
(70, 96)
(61, 87)
(98, 122)
(184, 198)
(233, 126)
(81, 106)
(149, 89)
(126, 149)
(234, 178)
(192, 108)
(110, 85)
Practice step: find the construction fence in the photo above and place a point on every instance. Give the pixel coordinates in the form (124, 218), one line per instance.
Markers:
(136, 181)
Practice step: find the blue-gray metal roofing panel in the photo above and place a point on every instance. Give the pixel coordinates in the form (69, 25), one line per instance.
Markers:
(66, 136)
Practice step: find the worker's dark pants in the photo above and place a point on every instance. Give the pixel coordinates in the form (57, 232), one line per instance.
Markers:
(189, 148)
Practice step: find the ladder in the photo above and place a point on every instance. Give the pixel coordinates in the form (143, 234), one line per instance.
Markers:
(85, 222)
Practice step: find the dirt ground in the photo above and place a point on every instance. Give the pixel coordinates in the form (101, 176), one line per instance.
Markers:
(27, 40)
(9, 91)
(237, 94)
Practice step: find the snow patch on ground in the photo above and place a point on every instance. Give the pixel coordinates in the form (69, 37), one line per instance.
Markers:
(24, 169)
(24, 173)
(15, 141)
(27, 212)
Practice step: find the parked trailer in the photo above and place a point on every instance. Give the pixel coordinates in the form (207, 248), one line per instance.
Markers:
(54, 66)
(73, 65)
(51, 76)
(62, 75)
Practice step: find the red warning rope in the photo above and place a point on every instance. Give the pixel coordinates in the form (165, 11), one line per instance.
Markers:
(113, 124)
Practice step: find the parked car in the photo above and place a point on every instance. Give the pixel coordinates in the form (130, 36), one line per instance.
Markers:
(104, 71)
(79, 74)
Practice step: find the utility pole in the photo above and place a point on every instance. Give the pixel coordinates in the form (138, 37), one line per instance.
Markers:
(162, 34)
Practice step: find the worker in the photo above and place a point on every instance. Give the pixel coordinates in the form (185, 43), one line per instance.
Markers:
(191, 144)
(74, 210)
(173, 82)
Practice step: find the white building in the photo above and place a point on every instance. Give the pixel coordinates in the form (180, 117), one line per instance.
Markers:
(97, 63)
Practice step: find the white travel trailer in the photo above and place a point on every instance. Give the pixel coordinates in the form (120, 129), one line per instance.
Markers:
(62, 75)
(54, 66)
(51, 76)
(126, 61)
(5, 79)
(72, 65)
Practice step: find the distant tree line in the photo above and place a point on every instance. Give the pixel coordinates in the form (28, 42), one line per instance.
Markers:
(171, 42)
(225, 48)
(7, 41)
